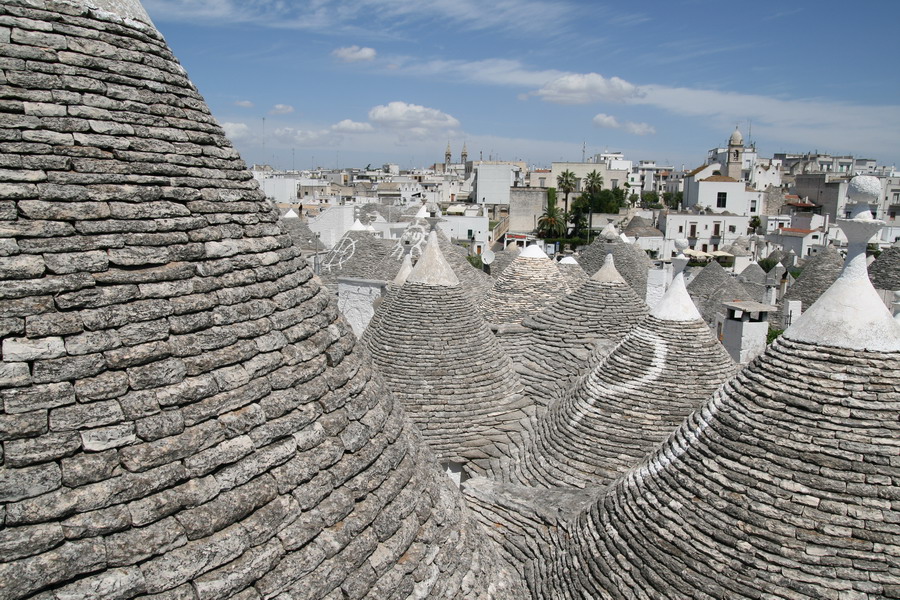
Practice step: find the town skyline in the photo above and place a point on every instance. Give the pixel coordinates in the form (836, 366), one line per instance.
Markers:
(333, 84)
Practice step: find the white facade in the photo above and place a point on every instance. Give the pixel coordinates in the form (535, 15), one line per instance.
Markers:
(280, 190)
(707, 233)
(493, 181)
(473, 229)
(719, 193)
(332, 223)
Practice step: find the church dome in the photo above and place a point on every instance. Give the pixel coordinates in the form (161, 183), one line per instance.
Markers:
(736, 138)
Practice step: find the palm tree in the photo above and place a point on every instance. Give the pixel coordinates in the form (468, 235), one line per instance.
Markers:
(565, 182)
(552, 224)
(593, 183)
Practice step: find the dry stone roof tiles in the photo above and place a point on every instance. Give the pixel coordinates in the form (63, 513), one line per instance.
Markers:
(754, 279)
(438, 356)
(818, 274)
(712, 286)
(885, 270)
(502, 259)
(572, 273)
(563, 335)
(777, 486)
(531, 282)
(661, 371)
(184, 413)
(632, 262)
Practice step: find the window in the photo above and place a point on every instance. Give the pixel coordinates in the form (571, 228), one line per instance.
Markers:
(681, 229)
(469, 234)
(731, 229)
(721, 199)
(753, 206)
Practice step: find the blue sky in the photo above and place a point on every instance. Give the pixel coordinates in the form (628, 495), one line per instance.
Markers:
(352, 82)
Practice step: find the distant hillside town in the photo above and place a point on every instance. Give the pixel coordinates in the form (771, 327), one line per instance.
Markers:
(788, 201)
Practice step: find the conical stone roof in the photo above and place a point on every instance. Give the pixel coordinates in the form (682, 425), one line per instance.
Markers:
(438, 356)
(818, 274)
(777, 486)
(712, 286)
(475, 281)
(602, 310)
(184, 413)
(753, 279)
(885, 270)
(531, 282)
(662, 369)
(502, 259)
(632, 262)
(572, 272)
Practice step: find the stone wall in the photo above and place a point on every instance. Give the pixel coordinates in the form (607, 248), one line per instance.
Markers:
(184, 412)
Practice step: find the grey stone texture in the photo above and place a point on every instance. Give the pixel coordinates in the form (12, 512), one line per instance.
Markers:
(442, 362)
(885, 270)
(525, 287)
(561, 339)
(818, 273)
(183, 413)
(781, 484)
(627, 404)
(712, 286)
(632, 262)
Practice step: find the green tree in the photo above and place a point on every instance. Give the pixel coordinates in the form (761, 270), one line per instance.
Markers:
(593, 183)
(648, 198)
(565, 183)
(551, 224)
(578, 216)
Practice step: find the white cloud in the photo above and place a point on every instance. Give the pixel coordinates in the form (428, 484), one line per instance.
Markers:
(354, 54)
(348, 126)
(281, 109)
(244, 103)
(638, 128)
(495, 71)
(610, 122)
(305, 137)
(403, 116)
(577, 88)
(805, 123)
(342, 16)
(236, 131)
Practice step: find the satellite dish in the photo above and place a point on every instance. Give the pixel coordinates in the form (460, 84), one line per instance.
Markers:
(487, 257)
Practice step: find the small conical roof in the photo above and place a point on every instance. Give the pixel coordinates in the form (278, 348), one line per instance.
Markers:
(601, 310)
(712, 286)
(817, 275)
(753, 279)
(438, 356)
(708, 279)
(632, 262)
(619, 411)
(885, 270)
(432, 268)
(530, 282)
(358, 226)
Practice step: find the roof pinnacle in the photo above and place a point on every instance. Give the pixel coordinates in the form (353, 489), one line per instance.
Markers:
(432, 268)
(676, 303)
(850, 314)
